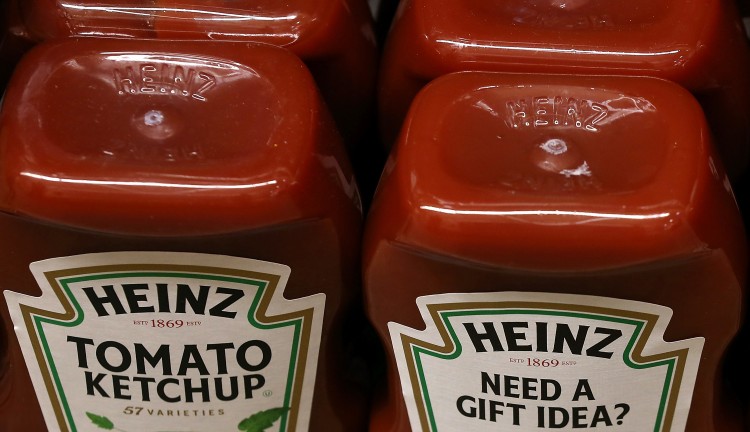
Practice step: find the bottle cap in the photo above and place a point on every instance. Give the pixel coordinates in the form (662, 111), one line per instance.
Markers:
(557, 172)
(158, 137)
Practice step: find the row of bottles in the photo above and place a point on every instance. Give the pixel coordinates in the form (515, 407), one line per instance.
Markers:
(554, 242)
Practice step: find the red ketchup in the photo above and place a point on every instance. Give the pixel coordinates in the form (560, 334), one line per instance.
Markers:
(554, 252)
(334, 38)
(697, 44)
(181, 233)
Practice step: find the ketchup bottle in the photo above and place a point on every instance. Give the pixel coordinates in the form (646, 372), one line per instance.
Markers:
(334, 38)
(554, 252)
(698, 44)
(180, 235)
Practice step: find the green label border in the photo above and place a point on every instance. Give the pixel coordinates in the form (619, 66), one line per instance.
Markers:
(266, 284)
(644, 324)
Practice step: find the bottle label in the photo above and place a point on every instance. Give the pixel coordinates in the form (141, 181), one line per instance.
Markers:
(533, 361)
(152, 341)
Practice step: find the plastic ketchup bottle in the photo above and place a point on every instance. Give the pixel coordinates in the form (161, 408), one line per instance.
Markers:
(180, 236)
(554, 252)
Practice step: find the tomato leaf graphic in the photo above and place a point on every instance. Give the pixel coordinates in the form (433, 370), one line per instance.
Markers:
(262, 420)
(101, 421)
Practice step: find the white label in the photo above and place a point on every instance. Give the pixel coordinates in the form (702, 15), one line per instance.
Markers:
(530, 362)
(152, 341)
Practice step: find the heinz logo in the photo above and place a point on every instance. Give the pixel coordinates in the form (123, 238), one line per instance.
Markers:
(162, 297)
(555, 111)
(164, 79)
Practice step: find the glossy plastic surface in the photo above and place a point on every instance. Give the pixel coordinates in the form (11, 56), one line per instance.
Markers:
(335, 38)
(124, 145)
(603, 186)
(697, 44)
(277, 23)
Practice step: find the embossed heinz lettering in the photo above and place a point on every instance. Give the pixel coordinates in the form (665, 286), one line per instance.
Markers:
(560, 21)
(549, 111)
(164, 79)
